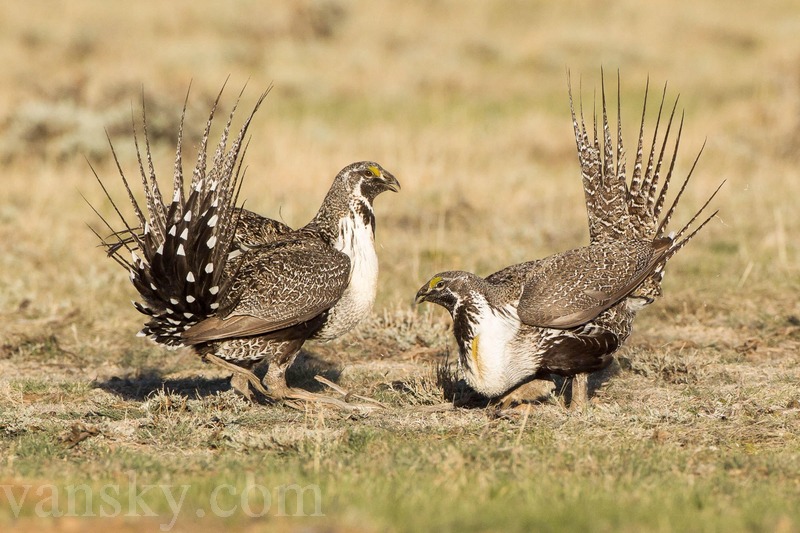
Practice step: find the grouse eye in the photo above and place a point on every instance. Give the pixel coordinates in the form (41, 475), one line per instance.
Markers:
(439, 284)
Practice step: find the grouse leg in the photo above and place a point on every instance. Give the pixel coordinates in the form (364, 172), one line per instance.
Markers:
(275, 381)
(242, 378)
(580, 391)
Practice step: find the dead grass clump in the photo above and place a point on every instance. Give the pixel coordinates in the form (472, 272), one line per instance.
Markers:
(436, 384)
(403, 329)
(35, 333)
(317, 439)
(165, 403)
(671, 366)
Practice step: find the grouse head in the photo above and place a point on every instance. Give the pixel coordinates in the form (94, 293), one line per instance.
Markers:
(448, 289)
(353, 191)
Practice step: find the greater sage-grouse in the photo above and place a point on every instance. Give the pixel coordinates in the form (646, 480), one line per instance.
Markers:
(568, 313)
(240, 288)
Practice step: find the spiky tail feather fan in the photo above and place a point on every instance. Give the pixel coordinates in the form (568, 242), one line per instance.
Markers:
(178, 252)
(619, 210)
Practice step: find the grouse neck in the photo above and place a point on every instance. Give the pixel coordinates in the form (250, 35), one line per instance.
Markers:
(354, 238)
(336, 209)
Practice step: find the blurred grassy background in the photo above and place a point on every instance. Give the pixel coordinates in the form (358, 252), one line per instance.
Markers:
(464, 101)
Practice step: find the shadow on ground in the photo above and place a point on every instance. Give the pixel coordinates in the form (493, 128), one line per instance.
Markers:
(139, 384)
(143, 383)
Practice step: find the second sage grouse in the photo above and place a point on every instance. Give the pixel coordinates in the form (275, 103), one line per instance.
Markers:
(568, 313)
(240, 288)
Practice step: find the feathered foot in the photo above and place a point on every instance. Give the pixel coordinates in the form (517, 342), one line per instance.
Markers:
(277, 389)
(241, 386)
(275, 381)
(242, 378)
(580, 392)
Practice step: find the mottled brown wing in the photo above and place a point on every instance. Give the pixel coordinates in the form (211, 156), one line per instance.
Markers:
(277, 286)
(253, 229)
(569, 289)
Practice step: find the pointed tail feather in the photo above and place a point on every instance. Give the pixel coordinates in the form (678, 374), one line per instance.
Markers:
(651, 288)
(603, 174)
(177, 253)
(152, 193)
(644, 193)
(600, 184)
(614, 192)
(618, 210)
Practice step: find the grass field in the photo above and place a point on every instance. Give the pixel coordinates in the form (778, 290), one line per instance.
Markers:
(696, 426)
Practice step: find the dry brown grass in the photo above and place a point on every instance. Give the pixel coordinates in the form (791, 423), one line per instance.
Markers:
(466, 103)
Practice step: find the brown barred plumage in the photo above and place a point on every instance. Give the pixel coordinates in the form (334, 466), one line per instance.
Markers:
(568, 313)
(237, 287)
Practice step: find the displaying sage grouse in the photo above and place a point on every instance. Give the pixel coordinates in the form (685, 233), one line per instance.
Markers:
(568, 313)
(240, 288)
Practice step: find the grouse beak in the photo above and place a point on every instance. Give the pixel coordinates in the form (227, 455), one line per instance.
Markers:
(422, 294)
(390, 182)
